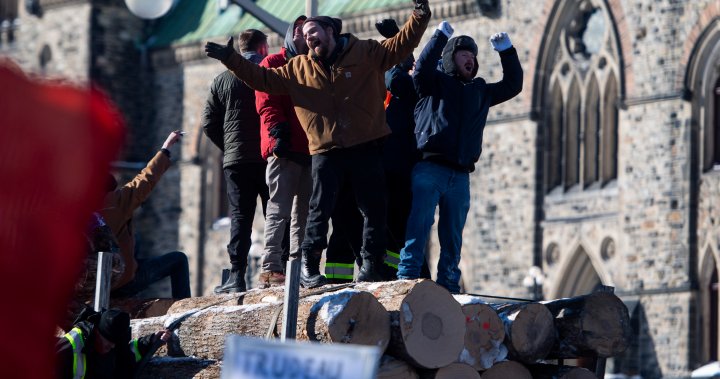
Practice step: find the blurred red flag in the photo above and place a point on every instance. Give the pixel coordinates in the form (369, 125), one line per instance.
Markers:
(56, 144)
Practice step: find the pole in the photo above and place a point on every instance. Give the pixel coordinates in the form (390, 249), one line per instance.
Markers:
(310, 8)
(102, 281)
(292, 297)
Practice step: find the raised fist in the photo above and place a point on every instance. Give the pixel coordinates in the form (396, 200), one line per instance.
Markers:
(446, 28)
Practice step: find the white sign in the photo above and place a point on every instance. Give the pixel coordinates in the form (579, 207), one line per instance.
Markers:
(250, 358)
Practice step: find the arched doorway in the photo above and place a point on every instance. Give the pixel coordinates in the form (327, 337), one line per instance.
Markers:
(709, 332)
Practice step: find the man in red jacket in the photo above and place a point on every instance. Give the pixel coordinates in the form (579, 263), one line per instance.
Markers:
(288, 174)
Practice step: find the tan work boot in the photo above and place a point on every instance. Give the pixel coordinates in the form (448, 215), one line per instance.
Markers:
(270, 279)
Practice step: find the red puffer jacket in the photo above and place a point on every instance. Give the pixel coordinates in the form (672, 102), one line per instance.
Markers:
(274, 109)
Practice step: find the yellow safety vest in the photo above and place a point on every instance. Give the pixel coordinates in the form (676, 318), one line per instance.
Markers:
(75, 336)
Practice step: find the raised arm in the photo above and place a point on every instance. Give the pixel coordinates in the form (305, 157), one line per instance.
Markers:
(512, 81)
(426, 65)
(275, 80)
(393, 50)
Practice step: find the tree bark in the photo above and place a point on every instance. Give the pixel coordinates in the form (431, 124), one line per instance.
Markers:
(202, 335)
(142, 308)
(507, 370)
(427, 324)
(597, 324)
(545, 371)
(180, 368)
(484, 334)
(529, 330)
(391, 368)
(347, 316)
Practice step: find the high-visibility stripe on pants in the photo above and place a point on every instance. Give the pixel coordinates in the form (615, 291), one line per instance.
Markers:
(76, 341)
(392, 259)
(339, 270)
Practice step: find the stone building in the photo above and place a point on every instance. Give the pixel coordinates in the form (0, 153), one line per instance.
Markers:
(603, 171)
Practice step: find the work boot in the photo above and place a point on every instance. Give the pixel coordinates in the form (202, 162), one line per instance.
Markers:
(310, 276)
(370, 272)
(270, 279)
(234, 283)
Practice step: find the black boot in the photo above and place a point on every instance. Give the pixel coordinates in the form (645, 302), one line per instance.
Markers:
(234, 283)
(310, 276)
(371, 271)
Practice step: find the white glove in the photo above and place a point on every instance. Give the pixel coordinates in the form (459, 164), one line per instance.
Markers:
(446, 28)
(500, 41)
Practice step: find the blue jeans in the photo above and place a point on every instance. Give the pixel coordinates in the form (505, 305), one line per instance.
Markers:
(433, 185)
(151, 270)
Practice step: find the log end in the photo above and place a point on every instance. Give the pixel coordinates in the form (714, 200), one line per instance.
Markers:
(606, 324)
(457, 370)
(507, 370)
(483, 337)
(432, 325)
(532, 333)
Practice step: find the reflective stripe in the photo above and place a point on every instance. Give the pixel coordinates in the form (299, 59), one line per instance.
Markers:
(78, 343)
(136, 350)
(392, 259)
(339, 270)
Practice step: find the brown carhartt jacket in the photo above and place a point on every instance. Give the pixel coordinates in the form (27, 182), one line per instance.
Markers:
(119, 205)
(343, 107)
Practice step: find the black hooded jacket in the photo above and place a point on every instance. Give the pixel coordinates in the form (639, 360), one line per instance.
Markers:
(230, 119)
(451, 113)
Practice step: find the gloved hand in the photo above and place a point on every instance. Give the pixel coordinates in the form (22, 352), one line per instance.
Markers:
(422, 7)
(446, 28)
(388, 28)
(219, 52)
(500, 41)
(281, 133)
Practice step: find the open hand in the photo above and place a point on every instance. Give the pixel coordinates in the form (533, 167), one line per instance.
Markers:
(218, 51)
(422, 7)
(500, 41)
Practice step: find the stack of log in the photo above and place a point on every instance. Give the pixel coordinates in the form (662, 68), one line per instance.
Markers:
(424, 331)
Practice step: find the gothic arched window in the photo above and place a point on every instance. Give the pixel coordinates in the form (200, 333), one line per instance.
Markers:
(580, 98)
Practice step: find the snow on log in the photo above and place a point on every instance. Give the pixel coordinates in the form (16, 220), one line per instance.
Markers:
(484, 334)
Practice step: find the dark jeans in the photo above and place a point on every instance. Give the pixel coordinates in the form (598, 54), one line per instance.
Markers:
(245, 182)
(361, 167)
(151, 270)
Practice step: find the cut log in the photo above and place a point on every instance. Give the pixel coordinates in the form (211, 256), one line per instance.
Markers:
(180, 368)
(347, 316)
(344, 317)
(202, 335)
(545, 371)
(484, 334)
(597, 324)
(507, 370)
(391, 368)
(427, 324)
(142, 308)
(453, 371)
(529, 330)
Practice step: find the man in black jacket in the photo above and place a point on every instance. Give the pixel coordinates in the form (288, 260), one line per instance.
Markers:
(232, 123)
(100, 347)
(450, 119)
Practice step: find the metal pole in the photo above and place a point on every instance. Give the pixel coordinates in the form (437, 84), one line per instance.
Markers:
(102, 281)
(275, 24)
(310, 8)
(292, 296)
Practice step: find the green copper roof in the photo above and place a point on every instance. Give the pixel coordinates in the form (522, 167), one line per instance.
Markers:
(197, 20)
